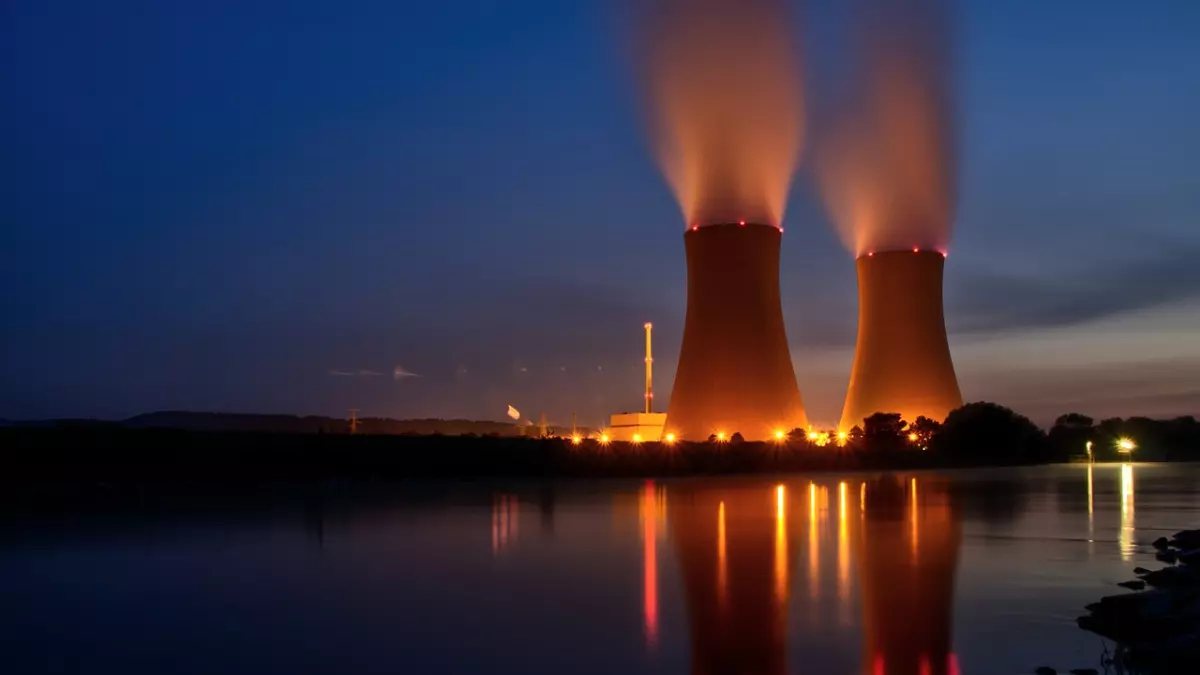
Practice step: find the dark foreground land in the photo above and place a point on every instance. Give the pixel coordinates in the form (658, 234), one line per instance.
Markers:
(108, 455)
(978, 434)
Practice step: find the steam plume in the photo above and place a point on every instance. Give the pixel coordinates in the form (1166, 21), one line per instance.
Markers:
(886, 164)
(722, 88)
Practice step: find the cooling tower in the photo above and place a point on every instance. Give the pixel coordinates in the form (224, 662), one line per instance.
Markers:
(735, 371)
(902, 359)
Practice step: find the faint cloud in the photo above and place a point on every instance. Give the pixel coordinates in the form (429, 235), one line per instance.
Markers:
(985, 301)
(399, 373)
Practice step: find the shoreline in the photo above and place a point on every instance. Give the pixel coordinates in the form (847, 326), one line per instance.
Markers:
(144, 456)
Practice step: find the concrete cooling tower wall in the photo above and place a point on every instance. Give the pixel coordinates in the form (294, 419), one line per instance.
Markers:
(735, 370)
(902, 358)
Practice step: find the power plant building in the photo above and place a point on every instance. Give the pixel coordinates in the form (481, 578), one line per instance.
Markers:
(902, 358)
(735, 369)
(636, 427)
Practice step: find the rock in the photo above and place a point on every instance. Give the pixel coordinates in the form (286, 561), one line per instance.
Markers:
(1085, 671)
(1166, 556)
(1045, 670)
(1140, 571)
(1133, 585)
(1162, 543)
(1191, 558)
(1173, 577)
(1186, 539)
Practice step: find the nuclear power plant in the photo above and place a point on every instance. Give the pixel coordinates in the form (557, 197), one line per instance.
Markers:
(902, 358)
(735, 370)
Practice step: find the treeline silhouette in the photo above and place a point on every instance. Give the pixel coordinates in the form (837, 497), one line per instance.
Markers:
(977, 434)
(281, 424)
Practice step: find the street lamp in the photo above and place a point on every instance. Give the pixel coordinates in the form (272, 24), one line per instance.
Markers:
(1091, 458)
(1125, 445)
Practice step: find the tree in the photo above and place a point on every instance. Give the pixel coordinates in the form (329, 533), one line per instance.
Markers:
(991, 432)
(884, 431)
(924, 430)
(854, 437)
(736, 438)
(1074, 420)
(1072, 434)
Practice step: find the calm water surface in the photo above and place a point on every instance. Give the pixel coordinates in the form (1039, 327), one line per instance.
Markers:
(979, 572)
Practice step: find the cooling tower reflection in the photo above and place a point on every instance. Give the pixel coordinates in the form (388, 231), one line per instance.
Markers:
(896, 553)
(907, 557)
(732, 545)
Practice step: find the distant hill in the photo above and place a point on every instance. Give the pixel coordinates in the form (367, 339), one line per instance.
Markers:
(283, 424)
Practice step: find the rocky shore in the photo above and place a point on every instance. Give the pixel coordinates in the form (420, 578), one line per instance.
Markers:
(1156, 629)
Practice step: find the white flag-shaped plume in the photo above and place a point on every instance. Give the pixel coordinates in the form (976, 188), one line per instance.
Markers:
(514, 413)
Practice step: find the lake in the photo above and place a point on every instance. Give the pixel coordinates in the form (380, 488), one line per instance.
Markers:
(980, 572)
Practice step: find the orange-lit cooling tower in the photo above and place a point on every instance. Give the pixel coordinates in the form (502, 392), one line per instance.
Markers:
(735, 370)
(902, 359)
(908, 555)
(732, 548)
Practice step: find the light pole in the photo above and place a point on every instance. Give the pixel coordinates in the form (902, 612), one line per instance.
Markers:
(1091, 457)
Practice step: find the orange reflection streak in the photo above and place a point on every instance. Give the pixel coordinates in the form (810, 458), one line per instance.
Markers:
(1091, 505)
(1128, 548)
(722, 562)
(505, 510)
(781, 563)
(495, 528)
(916, 534)
(814, 560)
(843, 558)
(649, 563)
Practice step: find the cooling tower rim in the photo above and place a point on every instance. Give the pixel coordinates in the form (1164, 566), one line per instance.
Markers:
(896, 253)
(738, 225)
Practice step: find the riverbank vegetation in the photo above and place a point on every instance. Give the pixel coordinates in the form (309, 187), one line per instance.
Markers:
(978, 434)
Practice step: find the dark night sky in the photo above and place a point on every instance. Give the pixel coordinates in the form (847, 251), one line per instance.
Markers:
(216, 205)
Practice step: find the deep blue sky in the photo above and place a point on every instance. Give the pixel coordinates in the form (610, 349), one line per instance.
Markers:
(216, 205)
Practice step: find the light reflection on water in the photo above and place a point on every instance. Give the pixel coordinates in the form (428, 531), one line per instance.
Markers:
(982, 571)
